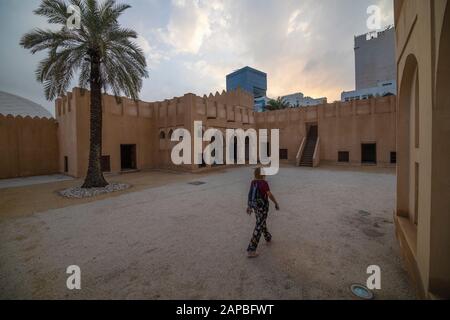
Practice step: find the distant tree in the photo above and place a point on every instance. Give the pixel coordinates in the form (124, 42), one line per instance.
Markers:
(277, 104)
(102, 53)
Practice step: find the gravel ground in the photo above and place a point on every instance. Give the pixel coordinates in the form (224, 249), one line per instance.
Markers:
(182, 241)
(80, 193)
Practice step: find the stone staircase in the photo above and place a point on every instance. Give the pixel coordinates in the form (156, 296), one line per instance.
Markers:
(308, 152)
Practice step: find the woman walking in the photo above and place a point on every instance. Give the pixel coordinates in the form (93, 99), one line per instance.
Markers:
(258, 201)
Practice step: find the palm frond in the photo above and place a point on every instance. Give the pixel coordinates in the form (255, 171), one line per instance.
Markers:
(54, 10)
(277, 104)
(70, 52)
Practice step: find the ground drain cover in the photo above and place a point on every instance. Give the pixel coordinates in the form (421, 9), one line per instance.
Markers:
(361, 292)
(197, 183)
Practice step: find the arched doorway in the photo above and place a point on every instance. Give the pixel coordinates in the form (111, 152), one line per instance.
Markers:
(440, 179)
(408, 142)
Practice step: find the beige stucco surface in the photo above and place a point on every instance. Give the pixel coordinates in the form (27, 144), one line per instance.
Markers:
(343, 126)
(423, 184)
(28, 146)
(148, 125)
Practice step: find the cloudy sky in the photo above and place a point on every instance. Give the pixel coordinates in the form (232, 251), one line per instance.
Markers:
(190, 45)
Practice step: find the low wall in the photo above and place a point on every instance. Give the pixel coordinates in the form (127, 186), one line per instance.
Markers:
(346, 126)
(145, 125)
(28, 147)
(342, 126)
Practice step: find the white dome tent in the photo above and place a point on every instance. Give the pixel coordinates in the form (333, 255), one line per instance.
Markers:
(11, 104)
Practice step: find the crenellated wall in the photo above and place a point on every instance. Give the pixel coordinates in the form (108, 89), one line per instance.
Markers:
(343, 126)
(28, 146)
(147, 125)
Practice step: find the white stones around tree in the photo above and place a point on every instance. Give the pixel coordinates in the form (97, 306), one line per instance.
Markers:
(80, 193)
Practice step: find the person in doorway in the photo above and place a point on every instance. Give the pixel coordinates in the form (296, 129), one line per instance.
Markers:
(258, 202)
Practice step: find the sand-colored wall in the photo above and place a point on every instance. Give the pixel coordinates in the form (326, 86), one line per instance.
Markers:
(228, 110)
(143, 124)
(343, 126)
(346, 126)
(28, 146)
(65, 112)
(148, 125)
(292, 126)
(423, 179)
(124, 122)
(220, 111)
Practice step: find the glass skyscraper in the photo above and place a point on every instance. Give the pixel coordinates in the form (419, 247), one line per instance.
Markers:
(250, 80)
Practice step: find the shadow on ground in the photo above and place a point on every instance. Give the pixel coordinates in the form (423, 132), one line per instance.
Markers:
(175, 240)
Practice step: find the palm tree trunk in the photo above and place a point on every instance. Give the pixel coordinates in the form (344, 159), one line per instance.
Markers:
(94, 176)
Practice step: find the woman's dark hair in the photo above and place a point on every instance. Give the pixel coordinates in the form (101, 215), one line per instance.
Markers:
(258, 174)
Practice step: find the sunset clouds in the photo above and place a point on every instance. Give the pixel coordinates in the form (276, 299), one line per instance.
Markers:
(191, 45)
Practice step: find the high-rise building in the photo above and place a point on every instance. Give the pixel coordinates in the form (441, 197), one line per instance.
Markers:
(299, 100)
(375, 66)
(250, 80)
(375, 58)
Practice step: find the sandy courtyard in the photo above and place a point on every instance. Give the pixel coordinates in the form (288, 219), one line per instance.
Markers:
(181, 241)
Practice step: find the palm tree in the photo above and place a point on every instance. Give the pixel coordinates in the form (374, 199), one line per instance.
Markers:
(100, 51)
(277, 104)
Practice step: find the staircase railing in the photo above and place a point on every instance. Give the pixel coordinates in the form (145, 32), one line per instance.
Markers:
(300, 152)
(316, 157)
